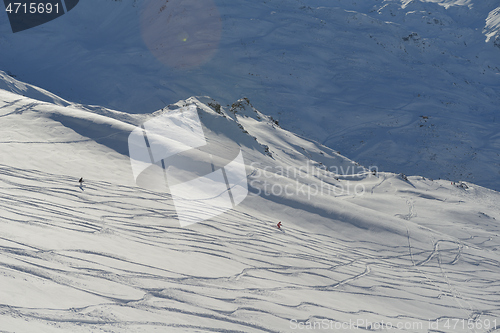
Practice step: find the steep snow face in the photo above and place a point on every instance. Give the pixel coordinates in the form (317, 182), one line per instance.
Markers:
(492, 28)
(357, 76)
(356, 246)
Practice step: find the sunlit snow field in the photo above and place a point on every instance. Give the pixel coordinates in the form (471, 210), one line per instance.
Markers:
(362, 249)
(368, 128)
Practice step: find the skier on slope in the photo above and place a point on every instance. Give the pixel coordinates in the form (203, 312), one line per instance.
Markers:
(279, 225)
(81, 181)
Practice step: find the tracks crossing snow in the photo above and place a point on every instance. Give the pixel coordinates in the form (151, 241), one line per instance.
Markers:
(112, 259)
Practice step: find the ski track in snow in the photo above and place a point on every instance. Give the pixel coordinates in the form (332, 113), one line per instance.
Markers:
(259, 281)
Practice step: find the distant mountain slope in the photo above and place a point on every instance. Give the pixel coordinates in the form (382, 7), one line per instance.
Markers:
(492, 28)
(357, 246)
(357, 76)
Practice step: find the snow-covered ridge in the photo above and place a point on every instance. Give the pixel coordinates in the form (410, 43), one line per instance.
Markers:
(9, 83)
(492, 28)
(357, 245)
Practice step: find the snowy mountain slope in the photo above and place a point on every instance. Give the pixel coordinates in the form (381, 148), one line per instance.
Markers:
(369, 248)
(492, 28)
(357, 76)
(8, 83)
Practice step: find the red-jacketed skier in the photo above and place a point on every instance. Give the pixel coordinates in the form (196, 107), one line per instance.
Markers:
(279, 225)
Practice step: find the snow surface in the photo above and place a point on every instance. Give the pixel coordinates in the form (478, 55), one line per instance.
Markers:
(357, 246)
(408, 86)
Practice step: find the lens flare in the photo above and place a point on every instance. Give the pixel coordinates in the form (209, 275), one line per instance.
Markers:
(182, 34)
